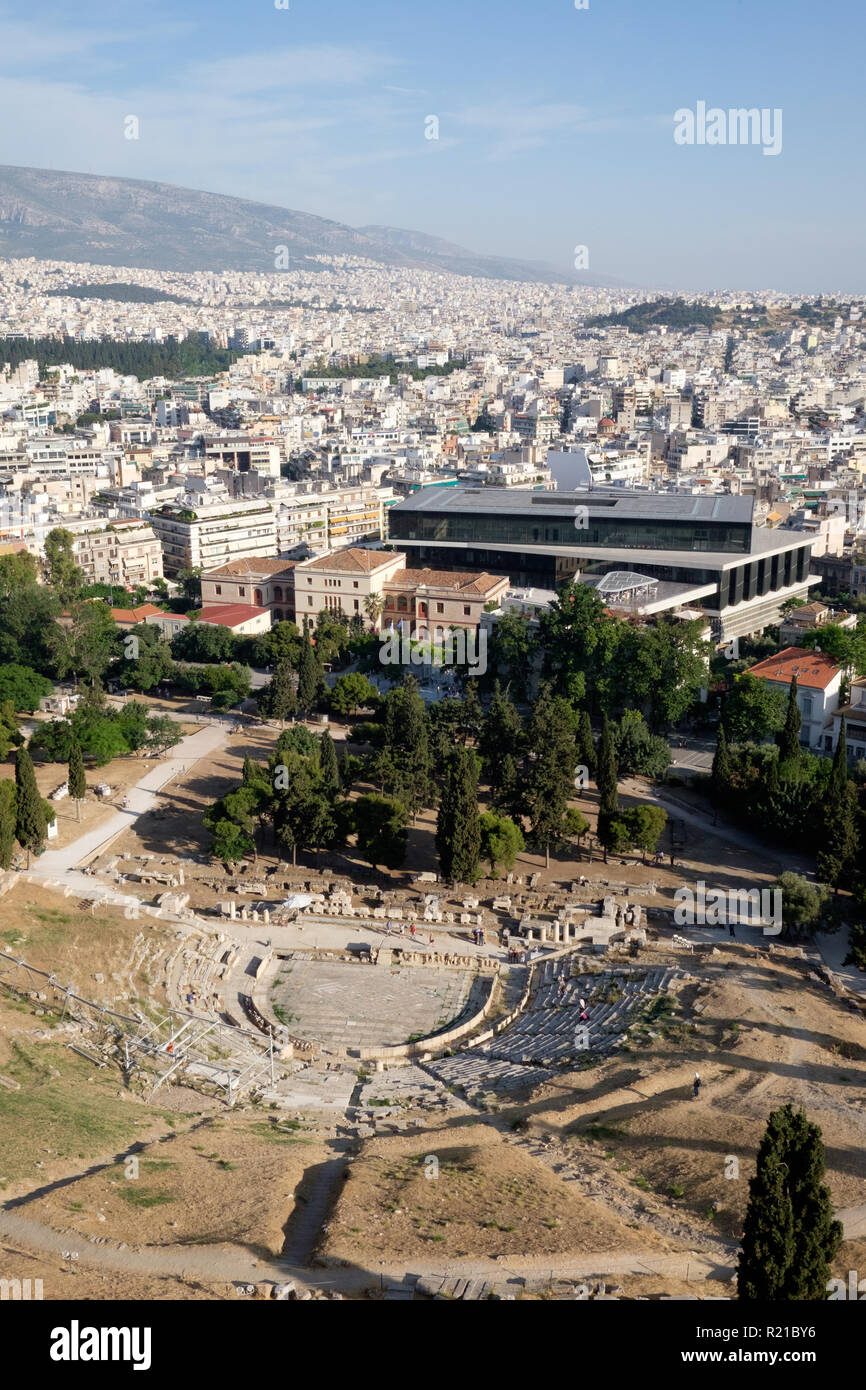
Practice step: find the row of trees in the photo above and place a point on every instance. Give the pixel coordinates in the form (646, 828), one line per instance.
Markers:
(794, 798)
(101, 733)
(417, 757)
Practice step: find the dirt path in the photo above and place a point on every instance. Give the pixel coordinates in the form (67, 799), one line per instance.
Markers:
(143, 796)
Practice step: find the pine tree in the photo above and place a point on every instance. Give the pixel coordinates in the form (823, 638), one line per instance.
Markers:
(30, 822)
(789, 737)
(458, 832)
(77, 779)
(606, 779)
(329, 771)
(789, 1236)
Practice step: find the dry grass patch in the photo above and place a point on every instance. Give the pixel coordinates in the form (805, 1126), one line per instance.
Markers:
(489, 1199)
(229, 1179)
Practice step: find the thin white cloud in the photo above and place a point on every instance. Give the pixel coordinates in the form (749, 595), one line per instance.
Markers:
(320, 64)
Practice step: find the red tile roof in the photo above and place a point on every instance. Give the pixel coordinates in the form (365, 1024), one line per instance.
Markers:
(461, 581)
(252, 565)
(229, 614)
(353, 561)
(134, 615)
(813, 669)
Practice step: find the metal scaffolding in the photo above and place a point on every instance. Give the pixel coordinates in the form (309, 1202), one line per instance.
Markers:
(184, 1046)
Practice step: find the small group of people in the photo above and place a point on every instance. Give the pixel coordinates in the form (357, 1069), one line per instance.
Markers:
(478, 936)
(413, 932)
(517, 955)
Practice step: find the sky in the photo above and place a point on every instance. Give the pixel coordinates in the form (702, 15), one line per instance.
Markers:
(555, 124)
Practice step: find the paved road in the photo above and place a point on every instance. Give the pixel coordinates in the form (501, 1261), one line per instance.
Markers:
(696, 756)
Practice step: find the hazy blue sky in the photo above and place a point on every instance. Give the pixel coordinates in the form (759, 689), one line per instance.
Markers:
(555, 124)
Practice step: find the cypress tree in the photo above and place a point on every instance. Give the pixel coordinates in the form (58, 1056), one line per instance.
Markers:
(772, 783)
(768, 1230)
(509, 796)
(550, 779)
(500, 737)
(789, 1234)
(77, 780)
(30, 822)
(458, 832)
(585, 745)
(280, 699)
(839, 770)
(7, 822)
(839, 820)
(841, 845)
(328, 768)
(347, 778)
(720, 777)
(606, 780)
(309, 677)
(405, 762)
(817, 1235)
(789, 737)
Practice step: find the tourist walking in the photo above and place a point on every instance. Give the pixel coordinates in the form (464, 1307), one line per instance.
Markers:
(697, 1086)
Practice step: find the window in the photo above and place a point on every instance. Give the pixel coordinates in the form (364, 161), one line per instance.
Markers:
(354, 583)
(440, 608)
(219, 588)
(357, 606)
(242, 591)
(309, 579)
(310, 601)
(467, 609)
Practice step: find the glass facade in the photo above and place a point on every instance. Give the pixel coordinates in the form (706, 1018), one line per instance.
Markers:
(633, 533)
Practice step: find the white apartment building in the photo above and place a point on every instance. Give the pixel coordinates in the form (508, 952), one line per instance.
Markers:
(120, 552)
(213, 533)
(326, 519)
(244, 454)
(688, 452)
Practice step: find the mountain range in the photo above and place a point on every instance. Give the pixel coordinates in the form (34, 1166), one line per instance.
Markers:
(55, 215)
